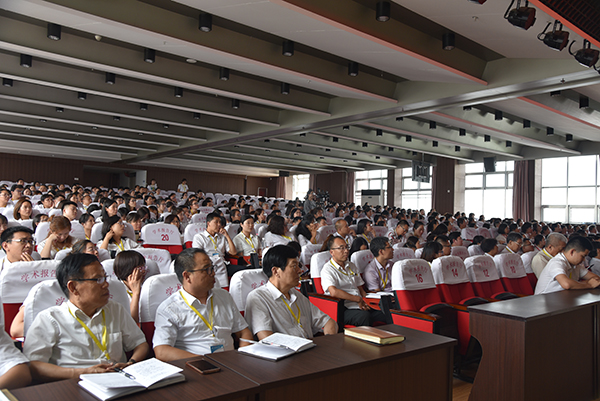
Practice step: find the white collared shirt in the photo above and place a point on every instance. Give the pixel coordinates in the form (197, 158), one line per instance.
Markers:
(346, 279)
(270, 240)
(55, 336)
(177, 325)
(559, 264)
(348, 238)
(10, 356)
(374, 273)
(242, 244)
(266, 310)
(215, 247)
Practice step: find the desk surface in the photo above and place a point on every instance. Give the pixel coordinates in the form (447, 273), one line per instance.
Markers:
(224, 385)
(539, 306)
(336, 352)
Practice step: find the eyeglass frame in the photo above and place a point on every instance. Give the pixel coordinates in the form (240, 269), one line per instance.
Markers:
(99, 280)
(29, 241)
(206, 269)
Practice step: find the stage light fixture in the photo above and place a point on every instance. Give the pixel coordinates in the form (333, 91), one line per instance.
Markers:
(81, 95)
(390, 149)
(408, 138)
(508, 144)
(205, 24)
(149, 55)
(117, 118)
(196, 116)
(26, 60)
(327, 150)
(382, 11)
(467, 108)
(526, 124)
(60, 110)
(364, 144)
(7, 82)
(549, 131)
(448, 41)
(498, 115)
(414, 153)
(569, 137)
(352, 68)
(303, 134)
(379, 132)
(143, 106)
(110, 78)
(346, 127)
(267, 140)
(586, 56)
(399, 118)
(335, 139)
(462, 132)
(377, 157)
(584, 102)
(235, 103)
(53, 31)
(178, 91)
(287, 49)
(435, 144)
(457, 148)
(224, 73)
(432, 125)
(487, 138)
(354, 153)
(555, 93)
(521, 17)
(285, 88)
(557, 39)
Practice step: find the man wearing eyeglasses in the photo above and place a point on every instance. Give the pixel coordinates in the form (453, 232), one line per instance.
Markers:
(5, 198)
(17, 242)
(340, 279)
(514, 242)
(378, 273)
(86, 334)
(198, 319)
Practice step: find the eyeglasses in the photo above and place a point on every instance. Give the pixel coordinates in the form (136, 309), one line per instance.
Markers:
(208, 270)
(99, 280)
(29, 241)
(342, 248)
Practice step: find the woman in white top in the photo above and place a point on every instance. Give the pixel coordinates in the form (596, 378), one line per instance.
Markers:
(58, 238)
(130, 268)
(502, 233)
(183, 187)
(23, 210)
(112, 232)
(276, 232)
(364, 229)
(307, 231)
(245, 242)
(87, 221)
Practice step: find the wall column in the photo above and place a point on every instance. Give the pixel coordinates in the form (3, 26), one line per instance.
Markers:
(443, 193)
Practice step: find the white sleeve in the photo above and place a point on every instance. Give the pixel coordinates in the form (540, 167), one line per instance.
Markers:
(257, 313)
(165, 332)
(42, 336)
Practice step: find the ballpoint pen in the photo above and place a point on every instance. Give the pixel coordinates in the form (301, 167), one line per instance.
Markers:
(127, 375)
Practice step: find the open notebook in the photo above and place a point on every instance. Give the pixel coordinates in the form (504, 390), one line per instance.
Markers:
(277, 346)
(146, 375)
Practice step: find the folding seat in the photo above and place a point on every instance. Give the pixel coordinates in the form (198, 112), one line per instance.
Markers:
(243, 282)
(233, 229)
(292, 231)
(16, 282)
(162, 236)
(402, 253)
(460, 251)
(484, 232)
(190, 231)
(380, 231)
(527, 257)
(206, 209)
(485, 279)
(418, 253)
(261, 230)
(335, 219)
(317, 261)
(469, 233)
(78, 232)
(55, 212)
(161, 257)
(41, 232)
(475, 250)
(392, 223)
(128, 232)
(308, 251)
(154, 291)
(512, 274)
(96, 235)
(361, 259)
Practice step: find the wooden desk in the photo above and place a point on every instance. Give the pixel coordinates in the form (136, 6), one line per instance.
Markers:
(224, 385)
(341, 367)
(542, 347)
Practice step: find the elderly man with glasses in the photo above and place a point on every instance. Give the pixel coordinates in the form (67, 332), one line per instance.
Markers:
(17, 243)
(198, 319)
(340, 279)
(88, 333)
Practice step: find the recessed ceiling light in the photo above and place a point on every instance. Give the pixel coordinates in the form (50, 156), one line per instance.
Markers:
(191, 60)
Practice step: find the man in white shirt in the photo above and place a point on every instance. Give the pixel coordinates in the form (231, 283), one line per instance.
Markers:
(278, 306)
(514, 242)
(397, 235)
(565, 271)
(17, 243)
(340, 279)
(489, 246)
(378, 273)
(197, 319)
(555, 243)
(69, 210)
(4, 197)
(86, 334)
(216, 242)
(342, 230)
(14, 366)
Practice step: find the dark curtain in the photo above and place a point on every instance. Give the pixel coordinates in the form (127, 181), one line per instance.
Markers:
(281, 184)
(312, 182)
(523, 187)
(350, 186)
(434, 204)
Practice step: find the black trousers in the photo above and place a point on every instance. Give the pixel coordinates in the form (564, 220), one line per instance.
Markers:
(358, 317)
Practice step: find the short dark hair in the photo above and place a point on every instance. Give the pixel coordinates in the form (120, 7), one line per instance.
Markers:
(108, 223)
(378, 244)
(580, 244)
(125, 262)
(185, 261)
(84, 218)
(513, 237)
(66, 203)
(453, 236)
(10, 232)
(211, 216)
(430, 251)
(277, 257)
(71, 268)
(79, 246)
(488, 244)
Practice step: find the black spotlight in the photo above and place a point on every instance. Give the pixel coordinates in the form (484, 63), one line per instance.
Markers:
(346, 127)
(364, 144)
(352, 68)
(149, 55)
(354, 153)
(110, 78)
(435, 144)
(487, 138)
(432, 125)
(26, 60)
(205, 22)
(557, 39)
(81, 95)
(379, 132)
(448, 41)
(498, 115)
(287, 49)
(377, 157)
(585, 56)
(267, 140)
(521, 17)
(116, 118)
(178, 91)
(382, 11)
(224, 73)
(327, 150)
(235, 103)
(196, 116)
(60, 110)
(390, 149)
(555, 93)
(569, 137)
(467, 108)
(549, 131)
(457, 148)
(334, 139)
(478, 1)
(143, 106)
(508, 144)
(462, 132)
(7, 82)
(584, 102)
(298, 145)
(53, 31)
(408, 138)
(166, 126)
(285, 88)
(526, 124)
(399, 118)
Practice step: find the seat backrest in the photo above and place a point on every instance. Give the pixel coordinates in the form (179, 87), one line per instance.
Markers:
(402, 253)
(317, 261)
(361, 259)
(243, 282)
(413, 283)
(475, 250)
(481, 269)
(509, 265)
(449, 270)
(418, 253)
(154, 291)
(206, 209)
(41, 296)
(261, 231)
(161, 257)
(55, 212)
(460, 251)
(484, 232)
(60, 255)
(190, 231)
(324, 232)
(199, 218)
(26, 223)
(527, 257)
(380, 231)
(41, 232)
(232, 229)
(96, 235)
(160, 234)
(469, 233)
(77, 230)
(118, 293)
(308, 251)
(128, 232)
(392, 223)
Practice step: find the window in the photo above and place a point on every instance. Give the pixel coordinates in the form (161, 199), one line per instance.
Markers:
(570, 189)
(415, 195)
(300, 186)
(372, 179)
(489, 194)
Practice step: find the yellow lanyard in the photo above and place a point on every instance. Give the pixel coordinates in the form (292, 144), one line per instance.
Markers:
(208, 324)
(250, 242)
(213, 241)
(366, 238)
(546, 253)
(296, 318)
(102, 345)
(384, 279)
(335, 265)
(121, 246)
(287, 238)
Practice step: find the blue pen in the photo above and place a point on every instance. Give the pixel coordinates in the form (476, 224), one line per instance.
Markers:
(127, 375)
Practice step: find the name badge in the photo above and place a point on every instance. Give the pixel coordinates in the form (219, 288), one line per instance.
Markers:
(216, 348)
